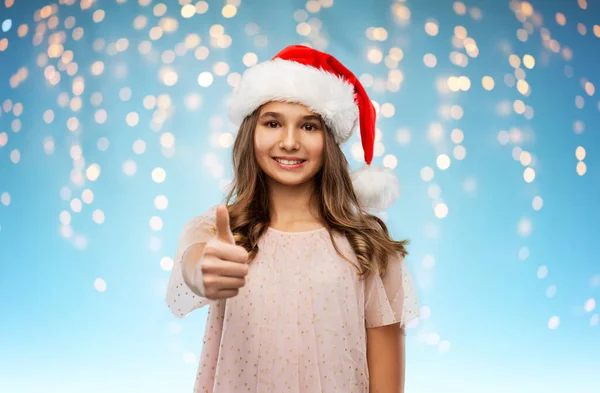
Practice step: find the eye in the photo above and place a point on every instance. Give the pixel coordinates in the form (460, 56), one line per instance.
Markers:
(271, 124)
(311, 127)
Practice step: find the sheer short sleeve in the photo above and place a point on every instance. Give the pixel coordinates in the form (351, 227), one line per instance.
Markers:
(392, 298)
(180, 298)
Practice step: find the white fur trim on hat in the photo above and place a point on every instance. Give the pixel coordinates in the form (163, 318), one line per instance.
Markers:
(376, 188)
(288, 81)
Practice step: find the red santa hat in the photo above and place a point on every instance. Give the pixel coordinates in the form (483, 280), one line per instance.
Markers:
(319, 81)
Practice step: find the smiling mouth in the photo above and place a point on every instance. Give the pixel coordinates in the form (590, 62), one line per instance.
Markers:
(288, 162)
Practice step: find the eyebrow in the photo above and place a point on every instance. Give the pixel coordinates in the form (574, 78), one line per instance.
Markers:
(278, 115)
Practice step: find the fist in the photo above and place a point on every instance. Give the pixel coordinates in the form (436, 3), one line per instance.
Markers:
(223, 263)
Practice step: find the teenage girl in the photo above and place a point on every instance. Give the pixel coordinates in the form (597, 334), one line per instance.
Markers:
(307, 290)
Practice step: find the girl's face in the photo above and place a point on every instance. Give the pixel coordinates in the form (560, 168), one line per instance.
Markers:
(289, 142)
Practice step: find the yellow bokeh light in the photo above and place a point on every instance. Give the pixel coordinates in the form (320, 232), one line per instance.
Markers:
(380, 34)
(374, 55)
(87, 196)
(456, 112)
(529, 175)
(460, 32)
(140, 22)
(432, 28)
(596, 30)
(77, 33)
(561, 19)
(537, 203)
(22, 30)
(250, 59)
(464, 82)
(170, 78)
(459, 7)
(192, 40)
(457, 136)
(453, 83)
(313, 6)
(589, 88)
(427, 174)
(525, 158)
(580, 153)
(526, 8)
(139, 146)
(387, 110)
(100, 116)
(159, 175)
(156, 223)
(522, 35)
(122, 44)
(48, 116)
(93, 172)
(97, 68)
(396, 53)
(459, 59)
(149, 102)
(161, 202)
(188, 10)
(72, 124)
(201, 7)
(98, 216)
(205, 79)
(201, 53)
(159, 9)
(514, 61)
(216, 31)
(519, 107)
(168, 57)
(581, 29)
(459, 152)
(98, 16)
(221, 68)
(75, 104)
(441, 210)
(132, 119)
(523, 87)
(443, 162)
(229, 11)
(169, 25)
(167, 140)
(488, 83)
(78, 86)
(155, 33)
(430, 60)
(581, 168)
(528, 61)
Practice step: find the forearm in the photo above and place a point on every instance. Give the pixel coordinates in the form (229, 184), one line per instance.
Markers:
(386, 359)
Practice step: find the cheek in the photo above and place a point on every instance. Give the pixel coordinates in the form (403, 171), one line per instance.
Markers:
(317, 148)
(261, 144)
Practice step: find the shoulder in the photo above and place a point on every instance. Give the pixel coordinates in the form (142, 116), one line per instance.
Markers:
(205, 219)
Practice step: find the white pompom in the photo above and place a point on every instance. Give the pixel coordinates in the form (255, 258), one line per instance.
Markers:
(376, 188)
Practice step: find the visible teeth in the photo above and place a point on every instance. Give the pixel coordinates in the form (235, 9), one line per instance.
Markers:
(286, 162)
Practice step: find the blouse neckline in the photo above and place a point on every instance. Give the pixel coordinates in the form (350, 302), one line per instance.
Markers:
(322, 229)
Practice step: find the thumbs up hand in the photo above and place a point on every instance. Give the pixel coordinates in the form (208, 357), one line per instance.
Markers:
(223, 264)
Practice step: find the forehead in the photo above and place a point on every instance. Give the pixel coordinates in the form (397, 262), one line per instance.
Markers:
(287, 109)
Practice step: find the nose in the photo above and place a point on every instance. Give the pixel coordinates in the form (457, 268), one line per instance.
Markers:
(289, 138)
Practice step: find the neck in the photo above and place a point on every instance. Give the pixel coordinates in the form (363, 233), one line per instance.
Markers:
(290, 204)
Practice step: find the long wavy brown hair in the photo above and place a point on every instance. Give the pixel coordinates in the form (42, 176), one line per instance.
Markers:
(248, 204)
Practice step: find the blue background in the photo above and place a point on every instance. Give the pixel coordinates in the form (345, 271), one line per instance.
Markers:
(486, 323)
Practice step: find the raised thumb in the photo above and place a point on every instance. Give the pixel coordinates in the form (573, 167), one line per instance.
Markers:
(224, 233)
